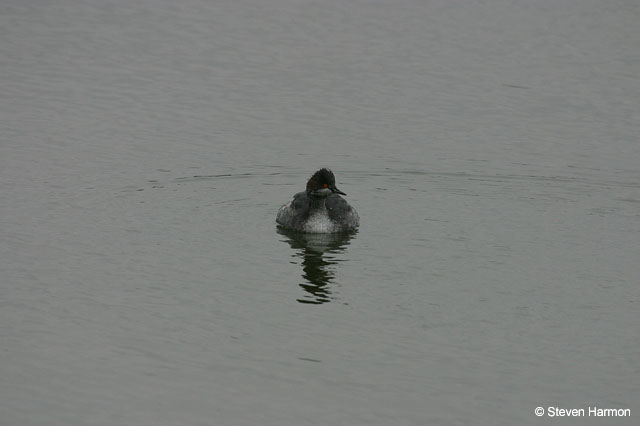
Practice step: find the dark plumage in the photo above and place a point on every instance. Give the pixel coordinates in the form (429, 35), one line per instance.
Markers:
(319, 208)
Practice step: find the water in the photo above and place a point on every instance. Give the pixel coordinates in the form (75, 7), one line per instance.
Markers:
(490, 149)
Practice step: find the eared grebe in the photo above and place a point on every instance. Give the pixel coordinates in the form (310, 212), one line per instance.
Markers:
(319, 209)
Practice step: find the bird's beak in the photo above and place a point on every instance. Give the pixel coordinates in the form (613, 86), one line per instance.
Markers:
(336, 190)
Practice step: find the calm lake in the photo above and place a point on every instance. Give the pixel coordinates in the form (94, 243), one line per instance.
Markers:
(490, 147)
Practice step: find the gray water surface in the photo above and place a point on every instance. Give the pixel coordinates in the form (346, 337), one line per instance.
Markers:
(491, 149)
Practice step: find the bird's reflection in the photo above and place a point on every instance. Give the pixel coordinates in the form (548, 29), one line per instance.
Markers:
(317, 252)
